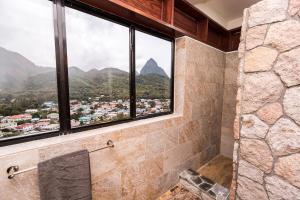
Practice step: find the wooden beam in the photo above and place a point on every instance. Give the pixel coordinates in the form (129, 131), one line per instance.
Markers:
(168, 11)
(172, 18)
(202, 29)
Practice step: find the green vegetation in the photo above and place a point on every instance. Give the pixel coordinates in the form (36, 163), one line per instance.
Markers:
(152, 104)
(17, 103)
(9, 134)
(152, 86)
(24, 85)
(110, 87)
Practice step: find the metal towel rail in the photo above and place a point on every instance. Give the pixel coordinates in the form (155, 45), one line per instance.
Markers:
(14, 170)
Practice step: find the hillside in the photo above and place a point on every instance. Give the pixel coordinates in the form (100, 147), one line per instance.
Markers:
(16, 69)
(22, 78)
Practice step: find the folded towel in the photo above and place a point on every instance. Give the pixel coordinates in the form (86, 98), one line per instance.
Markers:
(66, 177)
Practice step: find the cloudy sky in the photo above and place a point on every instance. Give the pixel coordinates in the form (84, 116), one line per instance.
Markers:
(92, 42)
(26, 27)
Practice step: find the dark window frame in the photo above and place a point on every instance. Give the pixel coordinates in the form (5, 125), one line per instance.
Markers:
(62, 71)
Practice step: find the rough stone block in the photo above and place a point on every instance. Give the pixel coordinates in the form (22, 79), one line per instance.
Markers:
(249, 190)
(263, 12)
(288, 67)
(270, 113)
(257, 153)
(256, 36)
(284, 35)
(278, 189)
(252, 127)
(250, 171)
(294, 7)
(289, 168)
(291, 103)
(260, 89)
(284, 137)
(260, 59)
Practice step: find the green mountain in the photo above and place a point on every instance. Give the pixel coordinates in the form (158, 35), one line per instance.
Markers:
(22, 79)
(151, 67)
(110, 82)
(15, 70)
(114, 84)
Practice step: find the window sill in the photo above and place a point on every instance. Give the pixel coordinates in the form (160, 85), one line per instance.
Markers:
(17, 148)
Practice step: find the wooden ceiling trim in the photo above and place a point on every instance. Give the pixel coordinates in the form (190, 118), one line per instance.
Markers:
(173, 18)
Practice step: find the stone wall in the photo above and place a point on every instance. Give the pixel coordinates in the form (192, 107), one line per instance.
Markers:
(228, 113)
(148, 154)
(267, 125)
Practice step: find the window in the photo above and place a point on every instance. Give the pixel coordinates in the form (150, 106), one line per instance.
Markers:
(77, 68)
(28, 95)
(153, 75)
(98, 59)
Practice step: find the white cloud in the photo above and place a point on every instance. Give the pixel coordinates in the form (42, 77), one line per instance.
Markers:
(26, 27)
(148, 46)
(96, 43)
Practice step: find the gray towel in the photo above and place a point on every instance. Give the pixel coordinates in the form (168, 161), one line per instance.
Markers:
(66, 177)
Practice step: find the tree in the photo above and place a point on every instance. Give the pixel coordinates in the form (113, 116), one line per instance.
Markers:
(152, 104)
(20, 122)
(35, 115)
(120, 116)
(10, 134)
(76, 116)
(43, 114)
(120, 106)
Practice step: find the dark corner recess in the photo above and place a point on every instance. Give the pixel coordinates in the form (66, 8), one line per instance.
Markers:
(174, 18)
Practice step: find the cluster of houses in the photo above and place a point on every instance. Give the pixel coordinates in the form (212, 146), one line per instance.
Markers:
(82, 113)
(96, 111)
(29, 123)
(85, 113)
(145, 107)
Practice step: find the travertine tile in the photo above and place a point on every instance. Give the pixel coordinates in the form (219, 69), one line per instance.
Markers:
(148, 154)
(108, 187)
(178, 155)
(24, 186)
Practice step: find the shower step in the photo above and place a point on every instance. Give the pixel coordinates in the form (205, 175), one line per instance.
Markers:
(202, 186)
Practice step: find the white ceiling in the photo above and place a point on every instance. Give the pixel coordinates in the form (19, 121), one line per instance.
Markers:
(227, 13)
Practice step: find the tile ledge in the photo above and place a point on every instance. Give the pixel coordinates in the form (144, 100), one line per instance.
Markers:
(18, 148)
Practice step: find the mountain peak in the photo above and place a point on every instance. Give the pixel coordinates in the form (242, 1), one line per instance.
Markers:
(112, 70)
(74, 68)
(151, 60)
(94, 70)
(151, 67)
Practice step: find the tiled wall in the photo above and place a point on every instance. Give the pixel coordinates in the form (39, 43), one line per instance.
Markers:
(228, 114)
(149, 153)
(267, 128)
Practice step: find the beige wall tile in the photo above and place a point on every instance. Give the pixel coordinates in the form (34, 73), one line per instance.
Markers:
(148, 154)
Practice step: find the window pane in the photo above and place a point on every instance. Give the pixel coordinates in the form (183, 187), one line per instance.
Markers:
(153, 74)
(28, 96)
(98, 59)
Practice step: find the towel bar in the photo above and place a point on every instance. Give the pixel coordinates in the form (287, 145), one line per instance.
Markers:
(14, 170)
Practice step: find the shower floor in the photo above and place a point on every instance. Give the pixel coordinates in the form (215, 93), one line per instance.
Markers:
(218, 169)
(178, 193)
